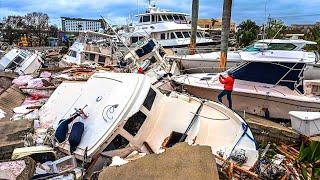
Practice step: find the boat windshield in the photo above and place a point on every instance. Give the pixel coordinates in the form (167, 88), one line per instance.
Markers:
(276, 73)
(271, 46)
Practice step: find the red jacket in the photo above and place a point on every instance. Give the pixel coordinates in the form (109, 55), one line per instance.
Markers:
(227, 81)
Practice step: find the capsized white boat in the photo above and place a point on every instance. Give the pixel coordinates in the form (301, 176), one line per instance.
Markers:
(20, 61)
(269, 88)
(91, 48)
(126, 113)
(262, 50)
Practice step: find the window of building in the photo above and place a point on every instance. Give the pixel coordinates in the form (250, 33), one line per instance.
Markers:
(162, 36)
(170, 17)
(134, 123)
(179, 34)
(102, 60)
(148, 102)
(186, 34)
(146, 19)
(119, 142)
(72, 53)
(172, 36)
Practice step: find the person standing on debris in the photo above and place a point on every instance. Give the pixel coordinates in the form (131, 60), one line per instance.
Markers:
(228, 87)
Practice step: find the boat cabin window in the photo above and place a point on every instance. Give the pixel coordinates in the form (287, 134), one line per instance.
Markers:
(176, 17)
(118, 142)
(199, 34)
(153, 18)
(163, 36)
(89, 57)
(281, 46)
(145, 18)
(72, 53)
(173, 139)
(148, 102)
(15, 63)
(24, 54)
(170, 17)
(134, 123)
(101, 60)
(164, 18)
(159, 19)
(186, 34)
(135, 39)
(172, 36)
(179, 34)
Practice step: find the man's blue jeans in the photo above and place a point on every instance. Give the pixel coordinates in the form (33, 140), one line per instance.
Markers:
(228, 93)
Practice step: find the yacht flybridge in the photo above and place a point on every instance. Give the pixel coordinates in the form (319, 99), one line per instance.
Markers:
(126, 113)
(269, 88)
(267, 49)
(170, 29)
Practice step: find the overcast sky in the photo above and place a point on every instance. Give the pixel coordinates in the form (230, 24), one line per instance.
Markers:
(118, 11)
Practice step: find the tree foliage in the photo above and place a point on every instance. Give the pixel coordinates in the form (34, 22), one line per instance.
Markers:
(247, 32)
(275, 29)
(313, 35)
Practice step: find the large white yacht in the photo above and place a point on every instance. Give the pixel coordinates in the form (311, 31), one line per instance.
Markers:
(267, 49)
(170, 29)
(268, 87)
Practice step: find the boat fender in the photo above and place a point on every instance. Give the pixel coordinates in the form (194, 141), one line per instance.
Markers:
(62, 130)
(75, 135)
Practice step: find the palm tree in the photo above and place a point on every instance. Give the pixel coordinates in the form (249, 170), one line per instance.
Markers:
(247, 32)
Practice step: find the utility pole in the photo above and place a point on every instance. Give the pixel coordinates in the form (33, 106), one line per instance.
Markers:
(194, 24)
(226, 18)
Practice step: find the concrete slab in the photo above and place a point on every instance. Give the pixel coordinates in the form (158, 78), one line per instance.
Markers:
(12, 134)
(179, 162)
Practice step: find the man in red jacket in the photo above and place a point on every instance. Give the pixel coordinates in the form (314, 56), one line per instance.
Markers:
(228, 87)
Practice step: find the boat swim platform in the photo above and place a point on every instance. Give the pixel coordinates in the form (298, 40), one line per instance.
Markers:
(265, 130)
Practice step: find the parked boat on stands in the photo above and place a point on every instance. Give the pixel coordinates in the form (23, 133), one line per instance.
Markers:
(92, 48)
(170, 29)
(126, 113)
(269, 88)
(21, 61)
(268, 49)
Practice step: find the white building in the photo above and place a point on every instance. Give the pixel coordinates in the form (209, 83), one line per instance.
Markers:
(79, 24)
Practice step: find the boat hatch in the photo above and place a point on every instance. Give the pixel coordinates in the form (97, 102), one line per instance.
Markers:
(283, 74)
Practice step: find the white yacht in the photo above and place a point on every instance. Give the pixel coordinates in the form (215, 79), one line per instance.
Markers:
(20, 61)
(126, 113)
(270, 88)
(271, 49)
(170, 29)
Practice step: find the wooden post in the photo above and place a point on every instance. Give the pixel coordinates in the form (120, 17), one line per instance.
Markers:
(194, 24)
(226, 16)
